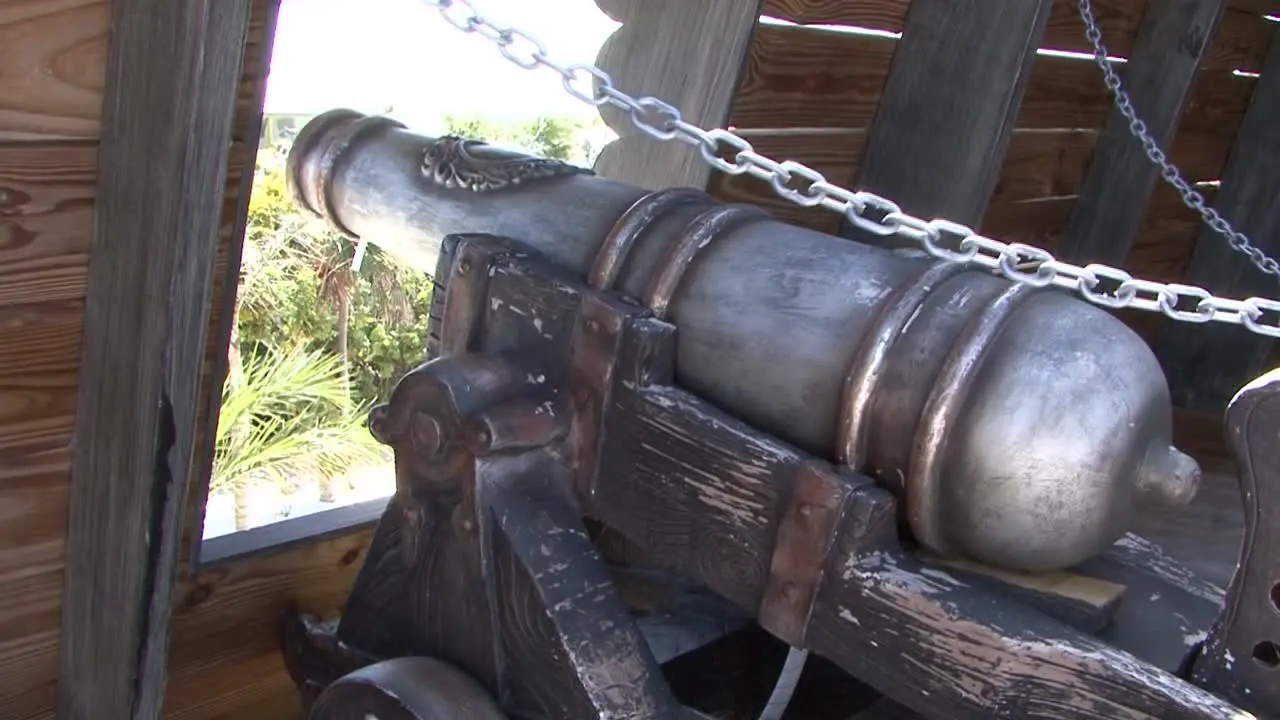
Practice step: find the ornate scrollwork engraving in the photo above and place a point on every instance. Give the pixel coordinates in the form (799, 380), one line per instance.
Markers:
(460, 163)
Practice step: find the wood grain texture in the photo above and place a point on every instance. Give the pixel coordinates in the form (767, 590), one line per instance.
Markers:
(172, 75)
(688, 53)
(1207, 365)
(1241, 44)
(52, 53)
(1039, 181)
(804, 77)
(1165, 60)
(46, 200)
(246, 134)
(967, 62)
(225, 660)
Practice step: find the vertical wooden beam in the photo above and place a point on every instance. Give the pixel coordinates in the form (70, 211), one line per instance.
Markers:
(1207, 364)
(172, 74)
(1158, 77)
(251, 133)
(688, 53)
(949, 106)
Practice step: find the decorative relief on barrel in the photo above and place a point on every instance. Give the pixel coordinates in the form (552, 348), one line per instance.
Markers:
(456, 162)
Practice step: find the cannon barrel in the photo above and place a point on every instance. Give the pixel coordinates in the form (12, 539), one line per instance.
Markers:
(1021, 427)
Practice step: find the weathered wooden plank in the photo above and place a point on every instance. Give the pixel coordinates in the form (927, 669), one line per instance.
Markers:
(1205, 364)
(1165, 238)
(967, 61)
(1166, 57)
(800, 77)
(247, 131)
(172, 76)
(1038, 164)
(688, 53)
(1241, 42)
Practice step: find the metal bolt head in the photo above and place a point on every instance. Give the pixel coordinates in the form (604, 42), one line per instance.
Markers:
(425, 432)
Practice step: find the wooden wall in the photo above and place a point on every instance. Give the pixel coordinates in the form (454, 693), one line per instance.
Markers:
(52, 55)
(812, 94)
(224, 660)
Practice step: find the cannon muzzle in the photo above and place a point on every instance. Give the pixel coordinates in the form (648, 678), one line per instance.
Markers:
(1020, 427)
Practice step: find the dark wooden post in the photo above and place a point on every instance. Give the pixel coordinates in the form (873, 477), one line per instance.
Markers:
(172, 74)
(1158, 77)
(1206, 365)
(949, 107)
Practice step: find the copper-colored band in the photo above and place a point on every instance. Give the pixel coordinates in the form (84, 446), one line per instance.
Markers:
(705, 228)
(872, 356)
(941, 409)
(633, 224)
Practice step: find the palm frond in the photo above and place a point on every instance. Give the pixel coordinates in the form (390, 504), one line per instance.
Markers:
(288, 417)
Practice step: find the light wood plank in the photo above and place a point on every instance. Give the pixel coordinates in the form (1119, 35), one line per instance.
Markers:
(688, 53)
(1205, 364)
(172, 76)
(1158, 77)
(46, 198)
(950, 103)
(52, 54)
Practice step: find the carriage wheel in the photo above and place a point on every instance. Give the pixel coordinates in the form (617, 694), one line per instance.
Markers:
(408, 688)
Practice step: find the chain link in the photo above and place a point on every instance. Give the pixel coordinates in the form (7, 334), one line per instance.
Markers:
(1168, 171)
(1099, 284)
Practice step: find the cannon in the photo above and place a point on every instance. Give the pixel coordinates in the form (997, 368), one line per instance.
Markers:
(872, 454)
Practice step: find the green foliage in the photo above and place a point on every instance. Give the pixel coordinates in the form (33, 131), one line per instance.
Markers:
(289, 417)
(294, 272)
(551, 137)
(321, 338)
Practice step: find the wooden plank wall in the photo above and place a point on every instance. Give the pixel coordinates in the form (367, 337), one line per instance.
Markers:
(52, 69)
(810, 93)
(223, 656)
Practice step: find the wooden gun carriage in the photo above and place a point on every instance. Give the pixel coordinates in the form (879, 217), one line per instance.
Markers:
(655, 420)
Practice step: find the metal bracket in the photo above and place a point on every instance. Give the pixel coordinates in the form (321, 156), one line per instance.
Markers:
(1241, 658)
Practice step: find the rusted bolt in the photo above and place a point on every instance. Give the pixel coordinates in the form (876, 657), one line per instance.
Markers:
(484, 439)
(593, 327)
(464, 267)
(806, 510)
(425, 432)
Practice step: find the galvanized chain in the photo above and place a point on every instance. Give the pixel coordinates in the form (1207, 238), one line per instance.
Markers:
(1192, 198)
(1099, 284)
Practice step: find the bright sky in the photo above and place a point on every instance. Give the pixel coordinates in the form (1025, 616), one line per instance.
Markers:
(370, 54)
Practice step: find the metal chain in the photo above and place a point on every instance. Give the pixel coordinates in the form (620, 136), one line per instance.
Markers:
(1099, 284)
(1138, 128)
